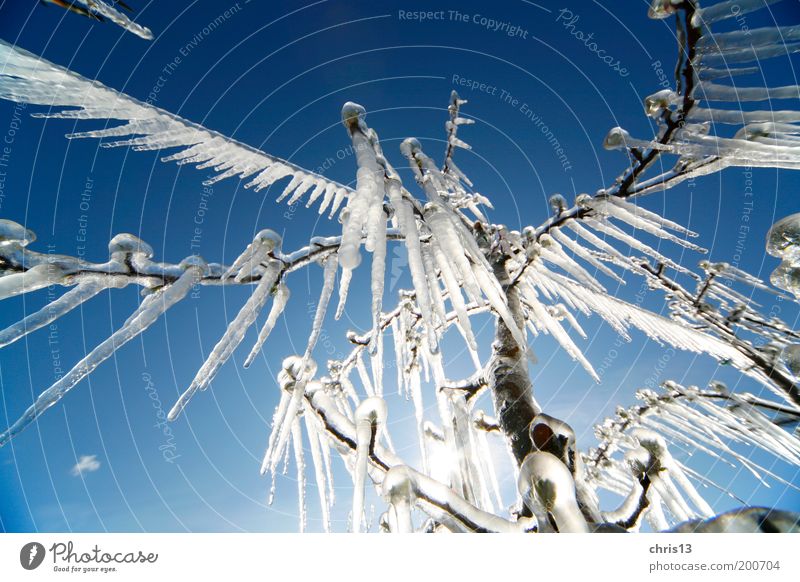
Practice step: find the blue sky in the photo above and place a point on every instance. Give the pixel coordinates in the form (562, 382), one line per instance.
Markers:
(275, 75)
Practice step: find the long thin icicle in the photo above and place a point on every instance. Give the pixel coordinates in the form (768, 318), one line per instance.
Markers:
(232, 337)
(147, 313)
(58, 307)
(278, 305)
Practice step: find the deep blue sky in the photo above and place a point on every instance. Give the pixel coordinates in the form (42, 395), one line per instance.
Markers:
(275, 75)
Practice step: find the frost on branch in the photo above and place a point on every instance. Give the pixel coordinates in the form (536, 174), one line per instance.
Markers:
(26, 78)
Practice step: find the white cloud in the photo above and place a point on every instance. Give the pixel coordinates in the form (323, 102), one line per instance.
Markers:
(85, 464)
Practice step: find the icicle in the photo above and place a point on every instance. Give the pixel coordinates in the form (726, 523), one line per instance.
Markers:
(454, 293)
(728, 9)
(33, 279)
(147, 313)
(246, 264)
(292, 378)
(26, 78)
(326, 459)
(378, 278)
(447, 239)
(278, 305)
(408, 226)
(485, 453)
(319, 468)
(329, 278)
(58, 307)
(584, 254)
(369, 185)
(364, 376)
(344, 287)
(433, 285)
(232, 337)
(399, 360)
(376, 363)
(299, 459)
(419, 415)
(370, 417)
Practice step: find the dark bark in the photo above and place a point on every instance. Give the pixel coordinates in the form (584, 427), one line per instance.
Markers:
(512, 391)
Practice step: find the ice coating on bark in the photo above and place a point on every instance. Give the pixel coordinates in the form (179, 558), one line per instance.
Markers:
(547, 482)
(398, 491)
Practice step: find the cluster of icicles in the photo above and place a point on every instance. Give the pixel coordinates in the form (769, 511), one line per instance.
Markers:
(762, 138)
(713, 420)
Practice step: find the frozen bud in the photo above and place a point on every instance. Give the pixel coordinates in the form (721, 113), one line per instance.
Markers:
(269, 239)
(583, 201)
(558, 203)
(662, 8)
(353, 116)
(640, 462)
(125, 244)
(410, 147)
(529, 233)
(11, 232)
(659, 102)
(372, 410)
(398, 485)
(616, 139)
(293, 369)
(719, 387)
(790, 357)
(651, 441)
(195, 261)
(456, 101)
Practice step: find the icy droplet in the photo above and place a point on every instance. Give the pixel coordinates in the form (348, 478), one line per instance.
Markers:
(616, 139)
(124, 244)
(558, 203)
(783, 241)
(790, 356)
(11, 232)
(657, 103)
(660, 9)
